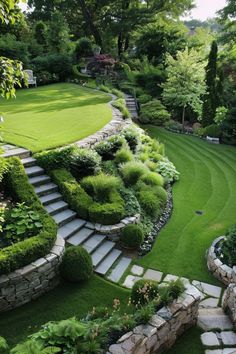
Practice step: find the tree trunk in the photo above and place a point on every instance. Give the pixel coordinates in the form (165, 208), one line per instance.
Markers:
(183, 118)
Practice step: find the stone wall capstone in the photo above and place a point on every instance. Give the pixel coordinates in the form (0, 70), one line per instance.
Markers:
(28, 283)
(163, 329)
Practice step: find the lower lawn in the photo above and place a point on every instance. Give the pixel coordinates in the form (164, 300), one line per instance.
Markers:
(54, 115)
(65, 301)
(208, 184)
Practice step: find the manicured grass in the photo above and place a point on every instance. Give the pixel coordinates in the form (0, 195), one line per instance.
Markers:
(188, 343)
(207, 183)
(65, 301)
(54, 115)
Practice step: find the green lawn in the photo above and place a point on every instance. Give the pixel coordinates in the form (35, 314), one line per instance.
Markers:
(65, 301)
(188, 343)
(207, 183)
(54, 115)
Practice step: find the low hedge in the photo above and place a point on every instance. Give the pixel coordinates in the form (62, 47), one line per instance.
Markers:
(56, 158)
(104, 213)
(22, 253)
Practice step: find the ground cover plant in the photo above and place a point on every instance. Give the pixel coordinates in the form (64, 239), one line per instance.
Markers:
(54, 115)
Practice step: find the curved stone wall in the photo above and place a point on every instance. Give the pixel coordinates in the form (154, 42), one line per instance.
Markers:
(31, 281)
(163, 329)
(229, 301)
(220, 270)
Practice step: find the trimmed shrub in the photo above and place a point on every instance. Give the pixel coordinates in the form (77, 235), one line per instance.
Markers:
(228, 246)
(85, 162)
(161, 193)
(144, 291)
(132, 138)
(83, 48)
(4, 348)
(132, 171)
(132, 236)
(76, 264)
(153, 179)
(213, 131)
(123, 155)
(52, 159)
(149, 203)
(108, 148)
(154, 112)
(105, 88)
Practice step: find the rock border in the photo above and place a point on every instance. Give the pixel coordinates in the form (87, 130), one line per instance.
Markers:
(28, 283)
(221, 271)
(163, 329)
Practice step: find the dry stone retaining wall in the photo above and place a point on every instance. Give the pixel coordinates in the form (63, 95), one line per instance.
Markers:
(163, 329)
(229, 302)
(31, 281)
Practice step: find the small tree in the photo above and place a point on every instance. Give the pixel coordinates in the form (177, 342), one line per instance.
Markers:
(185, 83)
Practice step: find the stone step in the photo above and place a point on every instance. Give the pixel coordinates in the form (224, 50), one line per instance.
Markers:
(119, 269)
(108, 261)
(80, 236)
(221, 351)
(39, 180)
(19, 152)
(46, 189)
(215, 318)
(93, 242)
(34, 171)
(101, 252)
(50, 198)
(63, 217)
(56, 207)
(28, 161)
(71, 228)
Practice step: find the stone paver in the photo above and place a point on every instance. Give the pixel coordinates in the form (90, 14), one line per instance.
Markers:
(151, 274)
(108, 261)
(137, 270)
(209, 339)
(215, 351)
(229, 351)
(208, 289)
(170, 277)
(209, 319)
(210, 302)
(228, 338)
(130, 280)
(120, 268)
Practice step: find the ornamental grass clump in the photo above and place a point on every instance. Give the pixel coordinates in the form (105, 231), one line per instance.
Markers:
(123, 155)
(152, 179)
(132, 171)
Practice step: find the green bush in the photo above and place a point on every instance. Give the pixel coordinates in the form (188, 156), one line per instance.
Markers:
(150, 203)
(83, 48)
(22, 253)
(212, 130)
(144, 98)
(4, 348)
(105, 88)
(108, 148)
(153, 179)
(76, 264)
(132, 236)
(144, 291)
(228, 246)
(118, 93)
(154, 112)
(123, 155)
(3, 167)
(132, 138)
(100, 186)
(121, 105)
(132, 171)
(85, 162)
(52, 159)
(171, 291)
(161, 193)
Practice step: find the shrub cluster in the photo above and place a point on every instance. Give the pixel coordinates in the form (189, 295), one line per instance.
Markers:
(108, 148)
(121, 105)
(85, 162)
(131, 135)
(228, 246)
(132, 236)
(132, 171)
(150, 203)
(57, 158)
(152, 179)
(123, 155)
(154, 112)
(212, 130)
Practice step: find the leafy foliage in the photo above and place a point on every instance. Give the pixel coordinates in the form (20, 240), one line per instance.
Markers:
(228, 248)
(154, 112)
(132, 236)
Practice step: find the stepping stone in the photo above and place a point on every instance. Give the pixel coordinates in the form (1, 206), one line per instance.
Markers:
(108, 261)
(151, 274)
(70, 228)
(119, 270)
(210, 302)
(102, 251)
(130, 280)
(193, 291)
(228, 338)
(20, 152)
(28, 161)
(63, 217)
(39, 180)
(170, 277)
(56, 207)
(208, 289)
(229, 351)
(34, 171)
(46, 189)
(79, 237)
(209, 339)
(209, 319)
(137, 270)
(93, 242)
(215, 351)
(50, 198)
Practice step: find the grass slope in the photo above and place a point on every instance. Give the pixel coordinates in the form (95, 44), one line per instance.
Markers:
(65, 301)
(207, 183)
(54, 115)
(188, 343)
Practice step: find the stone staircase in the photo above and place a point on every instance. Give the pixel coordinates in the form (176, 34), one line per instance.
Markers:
(131, 105)
(107, 259)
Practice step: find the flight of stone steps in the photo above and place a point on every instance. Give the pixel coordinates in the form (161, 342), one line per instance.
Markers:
(131, 105)
(107, 259)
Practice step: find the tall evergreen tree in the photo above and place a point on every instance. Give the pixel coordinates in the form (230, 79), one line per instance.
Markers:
(210, 99)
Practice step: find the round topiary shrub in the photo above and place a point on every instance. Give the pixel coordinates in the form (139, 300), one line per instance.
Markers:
(85, 162)
(153, 179)
(144, 291)
(4, 348)
(150, 203)
(76, 264)
(132, 236)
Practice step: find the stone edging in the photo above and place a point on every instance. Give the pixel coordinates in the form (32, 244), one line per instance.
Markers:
(220, 270)
(28, 283)
(164, 327)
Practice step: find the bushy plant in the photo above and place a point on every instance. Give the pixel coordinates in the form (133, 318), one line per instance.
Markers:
(121, 105)
(174, 125)
(161, 193)
(118, 93)
(228, 246)
(132, 206)
(152, 179)
(123, 155)
(83, 48)
(154, 112)
(108, 148)
(109, 167)
(132, 171)
(76, 264)
(3, 167)
(53, 159)
(132, 236)
(168, 170)
(105, 88)
(144, 291)
(144, 314)
(150, 203)
(4, 348)
(171, 291)
(144, 98)
(213, 131)
(85, 162)
(131, 135)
